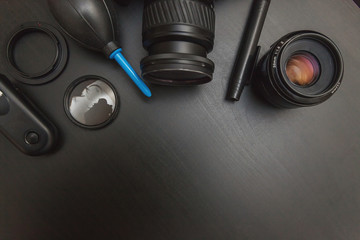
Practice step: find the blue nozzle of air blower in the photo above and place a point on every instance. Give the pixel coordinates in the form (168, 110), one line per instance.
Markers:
(117, 55)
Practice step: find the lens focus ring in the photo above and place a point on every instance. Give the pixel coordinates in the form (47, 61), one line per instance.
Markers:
(192, 12)
(172, 20)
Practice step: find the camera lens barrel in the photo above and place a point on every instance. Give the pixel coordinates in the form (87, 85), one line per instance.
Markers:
(303, 68)
(178, 35)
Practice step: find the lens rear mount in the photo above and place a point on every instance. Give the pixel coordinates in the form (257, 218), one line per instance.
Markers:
(57, 50)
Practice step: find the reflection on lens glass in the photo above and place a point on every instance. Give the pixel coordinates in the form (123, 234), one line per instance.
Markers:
(4, 104)
(302, 69)
(91, 102)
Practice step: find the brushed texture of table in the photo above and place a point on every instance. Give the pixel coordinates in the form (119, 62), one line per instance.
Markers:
(187, 164)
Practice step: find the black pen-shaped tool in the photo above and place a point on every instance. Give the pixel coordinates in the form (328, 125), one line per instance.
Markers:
(247, 53)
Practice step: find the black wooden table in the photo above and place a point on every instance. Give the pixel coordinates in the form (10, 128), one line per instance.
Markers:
(187, 164)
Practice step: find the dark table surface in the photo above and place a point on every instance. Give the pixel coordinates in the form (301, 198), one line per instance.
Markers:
(187, 164)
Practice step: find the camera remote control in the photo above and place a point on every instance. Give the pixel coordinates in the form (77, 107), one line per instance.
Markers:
(22, 123)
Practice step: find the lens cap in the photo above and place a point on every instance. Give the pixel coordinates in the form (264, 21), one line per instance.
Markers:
(91, 102)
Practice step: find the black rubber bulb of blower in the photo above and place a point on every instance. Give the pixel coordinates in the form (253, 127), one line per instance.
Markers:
(90, 23)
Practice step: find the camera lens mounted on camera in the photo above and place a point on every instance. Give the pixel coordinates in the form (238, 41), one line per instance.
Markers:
(178, 35)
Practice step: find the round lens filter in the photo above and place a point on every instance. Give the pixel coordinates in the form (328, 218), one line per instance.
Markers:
(91, 102)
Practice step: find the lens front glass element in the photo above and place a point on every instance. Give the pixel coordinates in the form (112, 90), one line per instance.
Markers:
(303, 69)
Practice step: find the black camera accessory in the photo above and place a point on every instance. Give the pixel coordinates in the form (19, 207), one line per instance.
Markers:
(91, 24)
(357, 2)
(123, 2)
(303, 68)
(91, 102)
(248, 51)
(22, 123)
(178, 35)
(52, 49)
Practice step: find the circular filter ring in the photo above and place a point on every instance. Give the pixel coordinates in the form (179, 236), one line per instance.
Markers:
(85, 99)
(49, 72)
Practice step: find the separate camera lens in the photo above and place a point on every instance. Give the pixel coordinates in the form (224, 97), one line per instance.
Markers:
(178, 35)
(302, 69)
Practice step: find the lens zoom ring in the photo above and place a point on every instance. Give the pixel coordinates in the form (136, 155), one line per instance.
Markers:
(193, 12)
